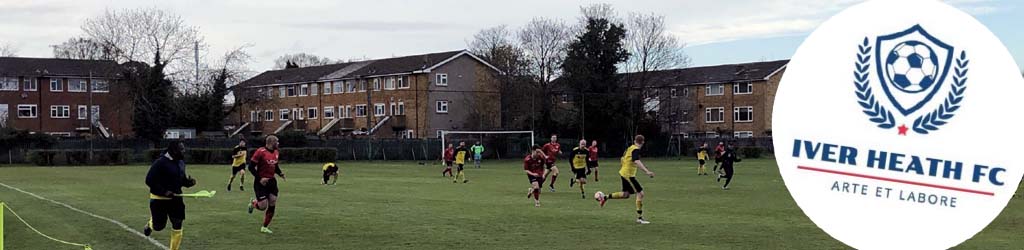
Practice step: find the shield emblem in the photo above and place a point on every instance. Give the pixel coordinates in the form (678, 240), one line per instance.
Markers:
(911, 65)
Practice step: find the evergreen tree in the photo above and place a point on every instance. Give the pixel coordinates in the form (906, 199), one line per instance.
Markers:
(590, 72)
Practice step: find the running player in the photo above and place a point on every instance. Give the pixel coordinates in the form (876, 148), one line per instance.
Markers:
(461, 156)
(330, 170)
(702, 155)
(630, 185)
(478, 153)
(592, 159)
(533, 164)
(718, 156)
(578, 163)
(552, 150)
(264, 166)
(238, 165)
(449, 157)
(728, 158)
(165, 179)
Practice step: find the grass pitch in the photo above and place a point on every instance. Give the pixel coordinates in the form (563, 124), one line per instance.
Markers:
(403, 205)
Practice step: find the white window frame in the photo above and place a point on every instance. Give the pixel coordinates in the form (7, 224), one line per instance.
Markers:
(720, 87)
(312, 113)
(339, 87)
(284, 91)
(328, 88)
(95, 113)
(363, 106)
(743, 134)
(711, 134)
(708, 114)
(441, 107)
(31, 84)
(31, 108)
(736, 88)
(389, 83)
(376, 84)
(304, 90)
(99, 82)
(58, 83)
(673, 93)
(736, 114)
(401, 109)
(403, 83)
(363, 85)
(441, 79)
(252, 116)
(268, 115)
(83, 112)
(328, 112)
(82, 83)
(6, 82)
(285, 114)
(379, 110)
(299, 113)
(60, 111)
(345, 111)
(313, 89)
(350, 86)
(394, 108)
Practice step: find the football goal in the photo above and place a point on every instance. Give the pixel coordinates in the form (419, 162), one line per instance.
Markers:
(497, 143)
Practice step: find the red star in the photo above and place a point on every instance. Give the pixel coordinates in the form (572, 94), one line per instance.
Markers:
(903, 129)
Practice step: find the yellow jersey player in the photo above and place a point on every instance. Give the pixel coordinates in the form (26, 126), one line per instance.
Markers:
(330, 170)
(461, 156)
(702, 156)
(630, 163)
(238, 158)
(578, 163)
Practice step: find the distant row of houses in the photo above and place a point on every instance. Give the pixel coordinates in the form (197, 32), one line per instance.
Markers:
(401, 97)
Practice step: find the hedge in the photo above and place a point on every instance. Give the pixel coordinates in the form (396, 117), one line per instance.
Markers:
(223, 155)
(79, 157)
(751, 152)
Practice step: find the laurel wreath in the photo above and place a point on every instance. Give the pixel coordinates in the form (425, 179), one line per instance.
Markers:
(933, 120)
(877, 113)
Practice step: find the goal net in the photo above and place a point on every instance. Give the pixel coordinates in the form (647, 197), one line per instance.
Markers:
(497, 144)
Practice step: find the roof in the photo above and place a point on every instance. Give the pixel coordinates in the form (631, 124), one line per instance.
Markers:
(377, 67)
(25, 66)
(743, 72)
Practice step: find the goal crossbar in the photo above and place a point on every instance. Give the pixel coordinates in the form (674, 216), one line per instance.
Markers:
(446, 132)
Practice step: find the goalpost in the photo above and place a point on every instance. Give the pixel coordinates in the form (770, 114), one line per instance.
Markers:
(444, 134)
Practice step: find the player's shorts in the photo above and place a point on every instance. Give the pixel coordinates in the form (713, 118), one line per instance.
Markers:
(630, 185)
(448, 163)
(580, 172)
(477, 157)
(701, 161)
(161, 210)
(331, 171)
(460, 167)
(549, 165)
(591, 164)
(538, 180)
(263, 192)
(236, 169)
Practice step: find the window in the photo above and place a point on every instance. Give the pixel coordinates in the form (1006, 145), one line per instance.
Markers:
(95, 113)
(686, 91)
(350, 86)
(339, 87)
(714, 89)
(76, 85)
(441, 79)
(297, 112)
(398, 108)
(312, 113)
(286, 114)
(439, 133)
(378, 109)
(409, 134)
(304, 90)
(270, 92)
(9, 84)
(31, 84)
(291, 90)
(268, 115)
(252, 116)
(361, 110)
(743, 114)
(100, 85)
(28, 111)
(327, 87)
(314, 88)
(403, 83)
(710, 134)
(743, 88)
(60, 111)
(442, 107)
(345, 111)
(56, 85)
(743, 134)
(376, 84)
(714, 115)
(389, 83)
(283, 91)
(83, 112)
(565, 98)
(328, 112)
(673, 93)
(362, 85)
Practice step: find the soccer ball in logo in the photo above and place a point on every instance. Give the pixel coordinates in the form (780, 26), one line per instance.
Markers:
(911, 66)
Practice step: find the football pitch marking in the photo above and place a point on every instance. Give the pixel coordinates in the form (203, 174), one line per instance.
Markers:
(122, 225)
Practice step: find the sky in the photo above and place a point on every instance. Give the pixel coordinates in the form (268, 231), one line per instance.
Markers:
(716, 31)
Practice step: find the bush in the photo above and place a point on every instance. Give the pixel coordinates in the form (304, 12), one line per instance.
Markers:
(78, 157)
(751, 152)
(292, 138)
(223, 155)
(309, 154)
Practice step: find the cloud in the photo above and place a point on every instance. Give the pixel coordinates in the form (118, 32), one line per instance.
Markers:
(375, 26)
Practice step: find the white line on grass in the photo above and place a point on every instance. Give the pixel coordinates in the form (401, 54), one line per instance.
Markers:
(125, 227)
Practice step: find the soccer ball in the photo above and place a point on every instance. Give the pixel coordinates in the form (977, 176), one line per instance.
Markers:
(598, 195)
(911, 66)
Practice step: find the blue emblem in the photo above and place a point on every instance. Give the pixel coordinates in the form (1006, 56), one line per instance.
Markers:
(911, 66)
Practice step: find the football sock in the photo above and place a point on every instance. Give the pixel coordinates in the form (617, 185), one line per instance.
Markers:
(268, 216)
(640, 207)
(727, 180)
(553, 178)
(581, 189)
(536, 194)
(175, 239)
(618, 195)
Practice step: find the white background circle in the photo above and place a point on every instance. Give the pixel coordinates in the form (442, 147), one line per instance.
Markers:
(817, 101)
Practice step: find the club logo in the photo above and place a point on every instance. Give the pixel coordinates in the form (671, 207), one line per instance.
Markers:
(899, 159)
(911, 66)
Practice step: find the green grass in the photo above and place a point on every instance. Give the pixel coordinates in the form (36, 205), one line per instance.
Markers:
(403, 205)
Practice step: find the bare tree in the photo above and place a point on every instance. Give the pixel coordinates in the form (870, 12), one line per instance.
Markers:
(144, 35)
(302, 60)
(597, 11)
(496, 45)
(490, 39)
(652, 46)
(544, 43)
(7, 50)
(84, 48)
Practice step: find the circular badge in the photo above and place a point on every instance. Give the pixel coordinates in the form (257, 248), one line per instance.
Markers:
(894, 129)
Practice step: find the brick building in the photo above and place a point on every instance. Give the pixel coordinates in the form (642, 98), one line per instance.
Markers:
(402, 97)
(64, 97)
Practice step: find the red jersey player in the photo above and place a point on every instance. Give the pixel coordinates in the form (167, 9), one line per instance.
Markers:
(449, 157)
(533, 164)
(552, 150)
(592, 159)
(264, 166)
